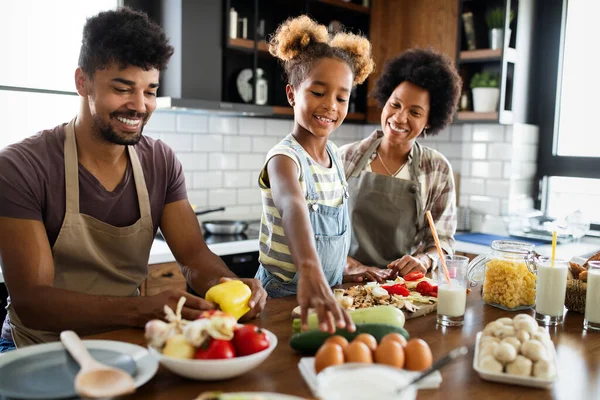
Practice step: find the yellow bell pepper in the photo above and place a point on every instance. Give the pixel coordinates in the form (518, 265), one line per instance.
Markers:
(231, 296)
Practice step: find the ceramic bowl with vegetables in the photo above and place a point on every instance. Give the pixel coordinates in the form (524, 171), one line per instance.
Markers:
(213, 347)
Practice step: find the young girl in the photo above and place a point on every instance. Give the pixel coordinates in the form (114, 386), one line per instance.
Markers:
(305, 230)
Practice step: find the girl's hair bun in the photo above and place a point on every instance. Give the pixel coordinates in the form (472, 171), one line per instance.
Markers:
(359, 50)
(295, 35)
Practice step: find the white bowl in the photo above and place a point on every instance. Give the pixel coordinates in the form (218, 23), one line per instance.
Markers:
(355, 381)
(210, 370)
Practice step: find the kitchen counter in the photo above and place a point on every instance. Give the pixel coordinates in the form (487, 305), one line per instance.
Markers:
(161, 253)
(578, 355)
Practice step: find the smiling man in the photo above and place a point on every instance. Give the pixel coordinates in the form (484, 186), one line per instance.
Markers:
(80, 203)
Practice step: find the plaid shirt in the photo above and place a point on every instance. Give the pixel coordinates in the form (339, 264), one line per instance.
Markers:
(437, 191)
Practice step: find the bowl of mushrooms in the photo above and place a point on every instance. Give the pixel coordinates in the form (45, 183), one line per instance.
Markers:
(516, 351)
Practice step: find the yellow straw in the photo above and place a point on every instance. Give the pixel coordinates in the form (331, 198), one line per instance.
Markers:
(553, 247)
(437, 245)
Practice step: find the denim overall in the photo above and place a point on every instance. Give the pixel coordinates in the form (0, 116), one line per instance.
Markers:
(330, 226)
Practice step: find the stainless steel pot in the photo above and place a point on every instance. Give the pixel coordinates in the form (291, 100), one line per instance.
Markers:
(225, 227)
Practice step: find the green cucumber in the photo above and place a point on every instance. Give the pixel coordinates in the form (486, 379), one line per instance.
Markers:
(309, 342)
(389, 315)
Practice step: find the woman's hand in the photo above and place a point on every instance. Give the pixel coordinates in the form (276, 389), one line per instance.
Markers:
(407, 264)
(314, 292)
(357, 272)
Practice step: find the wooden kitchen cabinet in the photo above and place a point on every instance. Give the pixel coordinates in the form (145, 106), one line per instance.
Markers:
(163, 277)
(397, 25)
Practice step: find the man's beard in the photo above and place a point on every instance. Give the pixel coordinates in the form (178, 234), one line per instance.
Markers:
(108, 134)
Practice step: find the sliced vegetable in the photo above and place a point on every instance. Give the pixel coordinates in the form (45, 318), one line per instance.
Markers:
(399, 289)
(373, 315)
(309, 342)
(413, 276)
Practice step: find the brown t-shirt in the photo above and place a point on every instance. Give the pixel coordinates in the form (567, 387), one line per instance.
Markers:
(32, 184)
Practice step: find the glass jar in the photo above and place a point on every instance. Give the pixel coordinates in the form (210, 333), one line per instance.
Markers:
(507, 273)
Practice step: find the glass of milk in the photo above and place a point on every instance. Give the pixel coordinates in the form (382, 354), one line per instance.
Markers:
(550, 291)
(452, 297)
(355, 381)
(592, 298)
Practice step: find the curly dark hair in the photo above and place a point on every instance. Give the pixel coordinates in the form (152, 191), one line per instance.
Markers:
(300, 42)
(430, 70)
(126, 37)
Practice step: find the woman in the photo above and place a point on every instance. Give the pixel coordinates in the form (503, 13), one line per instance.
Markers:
(393, 180)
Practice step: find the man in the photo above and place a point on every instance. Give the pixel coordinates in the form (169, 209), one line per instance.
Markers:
(80, 204)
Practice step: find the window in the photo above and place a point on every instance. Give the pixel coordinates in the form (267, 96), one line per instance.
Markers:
(569, 155)
(39, 43)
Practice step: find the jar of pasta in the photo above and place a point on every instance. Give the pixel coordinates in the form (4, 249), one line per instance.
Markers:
(507, 273)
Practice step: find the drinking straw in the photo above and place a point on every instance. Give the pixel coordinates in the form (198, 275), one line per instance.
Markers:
(437, 245)
(553, 247)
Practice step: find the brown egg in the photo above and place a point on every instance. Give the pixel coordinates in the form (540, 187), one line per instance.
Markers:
(396, 337)
(418, 355)
(390, 353)
(367, 339)
(337, 339)
(328, 354)
(358, 352)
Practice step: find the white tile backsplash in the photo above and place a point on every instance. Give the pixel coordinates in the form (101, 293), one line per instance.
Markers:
(237, 144)
(238, 179)
(179, 142)
(222, 157)
(208, 143)
(208, 180)
(192, 123)
(223, 125)
(222, 161)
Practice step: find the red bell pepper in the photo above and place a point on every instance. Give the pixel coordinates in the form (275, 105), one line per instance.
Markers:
(398, 288)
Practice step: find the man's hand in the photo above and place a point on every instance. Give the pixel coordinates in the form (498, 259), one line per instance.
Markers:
(314, 292)
(257, 300)
(153, 306)
(405, 265)
(357, 272)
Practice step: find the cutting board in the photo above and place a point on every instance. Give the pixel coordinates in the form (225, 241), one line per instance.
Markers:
(423, 310)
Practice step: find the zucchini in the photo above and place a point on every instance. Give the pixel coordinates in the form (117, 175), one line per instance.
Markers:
(389, 315)
(309, 342)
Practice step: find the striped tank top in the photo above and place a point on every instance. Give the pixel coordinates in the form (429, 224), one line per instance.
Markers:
(274, 251)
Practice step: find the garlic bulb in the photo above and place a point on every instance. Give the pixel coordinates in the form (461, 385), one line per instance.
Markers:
(157, 332)
(196, 332)
(222, 327)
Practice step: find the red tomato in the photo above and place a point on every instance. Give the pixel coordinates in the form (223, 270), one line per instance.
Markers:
(397, 288)
(216, 349)
(413, 276)
(249, 339)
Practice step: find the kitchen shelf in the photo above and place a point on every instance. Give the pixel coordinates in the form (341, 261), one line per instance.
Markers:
(284, 110)
(247, 44)
(487, 55)
(466, 116)
(346, 5)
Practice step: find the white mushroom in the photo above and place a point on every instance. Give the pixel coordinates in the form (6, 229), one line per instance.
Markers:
(490, 364)
(505, 331)
(505, 353)
(525, 323)
(521, 366)
(505, 321)
(522, 336)
(544, 369)
(157, 332)
(513, 341)
(487, 349)
(492, 328)
(488, 339)
(534, 350)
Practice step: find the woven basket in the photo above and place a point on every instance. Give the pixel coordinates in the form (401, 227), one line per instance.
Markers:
(575, 296)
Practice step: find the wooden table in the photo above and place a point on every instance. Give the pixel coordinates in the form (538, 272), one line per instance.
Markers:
(578, 358)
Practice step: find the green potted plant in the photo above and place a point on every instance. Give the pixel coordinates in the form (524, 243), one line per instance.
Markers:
(486, 92)
(495, 20)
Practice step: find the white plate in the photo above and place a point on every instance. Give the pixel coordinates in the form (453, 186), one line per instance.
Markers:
(307, 370)
(146, 365)
(503, 377)
(258, 395)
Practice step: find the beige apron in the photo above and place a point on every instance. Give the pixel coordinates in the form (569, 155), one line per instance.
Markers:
(91, 256)
(386, 212)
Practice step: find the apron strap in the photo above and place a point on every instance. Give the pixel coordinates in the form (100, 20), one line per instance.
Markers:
(365, 158)
(140, 184)
(416, 168)
(71, 170)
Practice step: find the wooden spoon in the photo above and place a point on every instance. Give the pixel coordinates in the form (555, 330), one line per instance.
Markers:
(94, 379)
